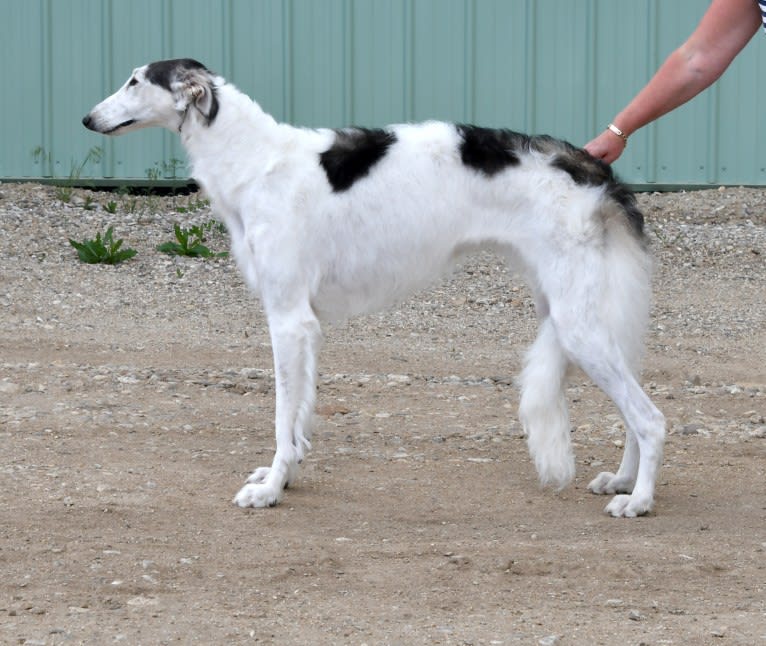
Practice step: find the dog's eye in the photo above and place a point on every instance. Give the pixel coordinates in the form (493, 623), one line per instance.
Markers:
(132, 82)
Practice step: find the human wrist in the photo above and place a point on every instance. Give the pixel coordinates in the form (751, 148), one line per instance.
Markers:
(618, 132)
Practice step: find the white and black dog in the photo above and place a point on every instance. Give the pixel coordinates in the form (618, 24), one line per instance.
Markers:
(326, 224)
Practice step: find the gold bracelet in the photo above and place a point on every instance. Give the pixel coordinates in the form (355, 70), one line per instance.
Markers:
(618, 132)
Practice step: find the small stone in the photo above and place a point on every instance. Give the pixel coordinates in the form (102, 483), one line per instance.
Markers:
(142, 601)
(9, 388)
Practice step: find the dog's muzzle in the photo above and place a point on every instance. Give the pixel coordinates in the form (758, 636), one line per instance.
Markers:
(90, 124)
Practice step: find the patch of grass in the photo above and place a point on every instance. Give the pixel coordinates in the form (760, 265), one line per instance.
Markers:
(168, 169)
(104, 250)
(192, 205)
(131, 204)
(190, 242)
(65, 188)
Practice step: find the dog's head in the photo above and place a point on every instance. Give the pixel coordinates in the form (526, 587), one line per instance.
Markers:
(159, 94)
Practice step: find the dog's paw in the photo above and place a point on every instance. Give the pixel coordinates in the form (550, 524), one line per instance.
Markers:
(609, 484)
(257, 495)
(259, 475)
(629, 506)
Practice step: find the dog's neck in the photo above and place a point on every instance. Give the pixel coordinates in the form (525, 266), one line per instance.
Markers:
(240, 125)
(237, 113)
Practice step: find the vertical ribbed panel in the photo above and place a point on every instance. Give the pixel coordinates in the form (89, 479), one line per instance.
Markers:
(381, 75)
(542, 66)
(24, 92)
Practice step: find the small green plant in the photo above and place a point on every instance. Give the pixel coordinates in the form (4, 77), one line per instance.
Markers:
(153, 174)
(65, 189)
(171, 167)
(104, 250)
(190, 242)
(215, 226)
(168, 169)
(64, 193)
(192, 205)
(42, 156)
(111, 207)
(131, 204)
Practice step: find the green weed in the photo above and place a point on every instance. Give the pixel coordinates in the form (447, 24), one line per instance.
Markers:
(65, 187)
(190, 242)
(104, 250)
(193, 204)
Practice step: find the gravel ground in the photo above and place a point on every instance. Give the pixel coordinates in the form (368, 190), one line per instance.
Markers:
(135, 398)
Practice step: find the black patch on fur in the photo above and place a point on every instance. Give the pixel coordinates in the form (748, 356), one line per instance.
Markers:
(589, 171)
(581, 167)
(491, 151)
(487, 150)
(163, 73)
(353, 153)
(627, 200)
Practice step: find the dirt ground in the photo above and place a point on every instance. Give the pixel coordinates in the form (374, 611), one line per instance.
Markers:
(135, 400)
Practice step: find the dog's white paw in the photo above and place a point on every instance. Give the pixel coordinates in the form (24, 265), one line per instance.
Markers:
(259, 475)
(257, 495)
(610, 484)
(629, 506)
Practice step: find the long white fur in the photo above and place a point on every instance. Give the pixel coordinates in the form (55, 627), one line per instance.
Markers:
(315, 254)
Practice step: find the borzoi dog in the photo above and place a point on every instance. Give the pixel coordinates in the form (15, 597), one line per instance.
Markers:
(326, 224)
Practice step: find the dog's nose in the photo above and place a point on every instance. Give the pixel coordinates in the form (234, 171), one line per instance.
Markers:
(86, 120)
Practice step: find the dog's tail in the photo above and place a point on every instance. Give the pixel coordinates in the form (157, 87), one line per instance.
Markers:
(543, 408)
(626, 301)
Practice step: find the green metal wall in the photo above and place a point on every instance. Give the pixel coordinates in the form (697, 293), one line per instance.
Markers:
(553, 66)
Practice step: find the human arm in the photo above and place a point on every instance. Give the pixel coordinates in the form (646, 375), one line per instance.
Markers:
(724, 30)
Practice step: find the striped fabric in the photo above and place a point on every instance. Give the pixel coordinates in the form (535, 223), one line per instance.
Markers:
(762, 5)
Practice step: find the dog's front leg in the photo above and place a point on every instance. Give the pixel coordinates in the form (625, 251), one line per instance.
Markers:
(295, 341)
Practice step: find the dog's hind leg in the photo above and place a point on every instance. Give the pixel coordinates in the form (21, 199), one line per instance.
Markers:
(295, 339)
(543, 408)
(625, 479)
(589, 343)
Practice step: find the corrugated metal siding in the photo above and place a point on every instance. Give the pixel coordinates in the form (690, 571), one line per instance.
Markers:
(563, 68)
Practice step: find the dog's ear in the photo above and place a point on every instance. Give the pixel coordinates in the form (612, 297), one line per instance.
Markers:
(196, 90)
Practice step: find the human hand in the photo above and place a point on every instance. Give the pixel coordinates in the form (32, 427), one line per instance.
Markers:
(607, 146)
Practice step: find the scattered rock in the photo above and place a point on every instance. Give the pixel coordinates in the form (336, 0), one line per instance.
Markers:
(691, 429)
